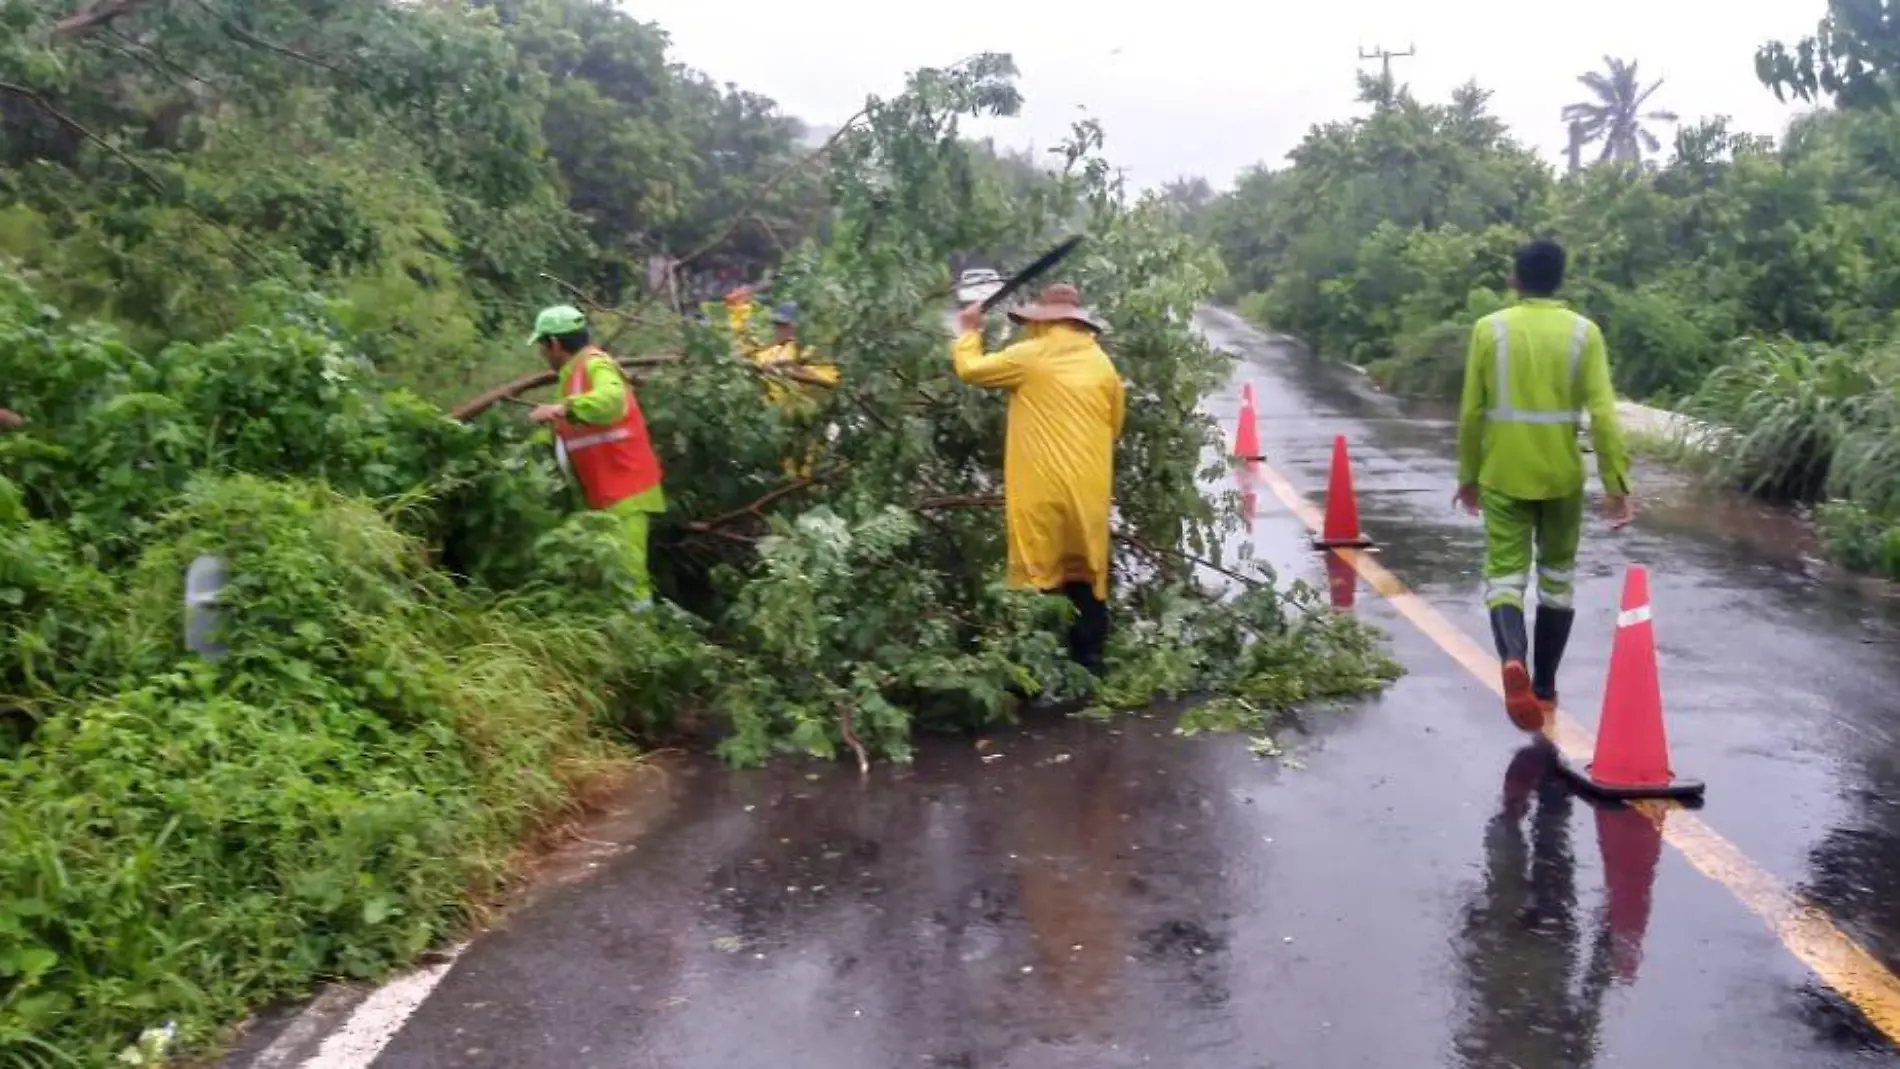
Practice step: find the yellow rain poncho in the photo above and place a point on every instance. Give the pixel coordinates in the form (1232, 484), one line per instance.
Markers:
(739, 308)
(793, 397)
(1065, 413)
(797, 401)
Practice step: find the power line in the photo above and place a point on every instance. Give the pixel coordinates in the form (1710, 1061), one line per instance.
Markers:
(1385, 58)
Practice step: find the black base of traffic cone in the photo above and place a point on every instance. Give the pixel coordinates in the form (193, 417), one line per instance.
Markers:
(1689, 792)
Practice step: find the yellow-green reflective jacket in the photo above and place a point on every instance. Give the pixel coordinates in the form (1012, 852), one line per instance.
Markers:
(1533, 370)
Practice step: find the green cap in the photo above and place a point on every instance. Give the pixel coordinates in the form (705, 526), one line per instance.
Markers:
(560, 319)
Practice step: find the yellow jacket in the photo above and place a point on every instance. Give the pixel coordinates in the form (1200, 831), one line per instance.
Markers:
(792, 397)
(1532, 371)
(1065, 413)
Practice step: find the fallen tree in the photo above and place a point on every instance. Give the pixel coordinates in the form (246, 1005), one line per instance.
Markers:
(428, 643)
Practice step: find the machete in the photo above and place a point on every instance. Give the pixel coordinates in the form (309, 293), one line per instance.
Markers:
(1031, 273)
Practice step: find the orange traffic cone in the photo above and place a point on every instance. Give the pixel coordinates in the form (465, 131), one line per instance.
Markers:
(1342, 507)
(1631, 844)
(1632, 758)
(1247, 430)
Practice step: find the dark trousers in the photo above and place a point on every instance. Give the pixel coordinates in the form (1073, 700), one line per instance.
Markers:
(1088, 634)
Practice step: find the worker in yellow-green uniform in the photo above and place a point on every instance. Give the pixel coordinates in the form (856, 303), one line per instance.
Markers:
(1533, 370)
(797, 401)
(1065, 414)
(602, 433)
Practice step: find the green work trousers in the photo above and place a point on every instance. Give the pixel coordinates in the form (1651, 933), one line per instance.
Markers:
(1514, 529)
(636, 517)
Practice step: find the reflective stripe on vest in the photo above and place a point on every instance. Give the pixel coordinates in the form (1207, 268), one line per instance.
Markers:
(612, 462)
(588, 441)
(1503, 411)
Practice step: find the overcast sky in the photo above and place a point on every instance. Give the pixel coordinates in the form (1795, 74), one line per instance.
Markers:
(1205, 87)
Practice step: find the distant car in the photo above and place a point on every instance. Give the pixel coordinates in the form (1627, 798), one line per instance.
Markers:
(977, 284)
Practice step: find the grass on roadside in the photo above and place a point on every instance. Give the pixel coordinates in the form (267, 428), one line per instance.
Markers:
(1815, 425)
(321, 804)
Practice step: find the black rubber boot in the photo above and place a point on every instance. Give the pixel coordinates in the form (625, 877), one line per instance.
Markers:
(1507, 628)
(1553, 634)
(1520, 703)
(1088, 635)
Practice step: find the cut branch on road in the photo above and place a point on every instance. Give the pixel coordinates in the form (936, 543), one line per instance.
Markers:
(1157, 553)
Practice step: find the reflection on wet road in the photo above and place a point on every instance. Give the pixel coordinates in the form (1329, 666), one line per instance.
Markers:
(1523, 941)
(1415, 890)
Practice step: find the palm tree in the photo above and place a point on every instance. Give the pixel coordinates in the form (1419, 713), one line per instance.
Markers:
(1616, 116)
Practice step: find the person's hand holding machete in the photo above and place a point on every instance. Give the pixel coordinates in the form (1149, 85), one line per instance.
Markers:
(971, 317)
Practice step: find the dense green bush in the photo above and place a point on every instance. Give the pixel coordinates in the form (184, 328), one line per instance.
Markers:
(319, 804)
(1860, 538)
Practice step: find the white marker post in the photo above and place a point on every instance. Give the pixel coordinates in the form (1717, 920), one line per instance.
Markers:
(204, 585)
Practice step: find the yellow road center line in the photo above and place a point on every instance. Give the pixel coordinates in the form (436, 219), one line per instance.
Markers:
(1807, 931)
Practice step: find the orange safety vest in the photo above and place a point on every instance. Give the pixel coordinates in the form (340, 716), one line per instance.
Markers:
(611, 463)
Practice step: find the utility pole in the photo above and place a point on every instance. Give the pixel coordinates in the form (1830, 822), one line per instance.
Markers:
(1385, 58)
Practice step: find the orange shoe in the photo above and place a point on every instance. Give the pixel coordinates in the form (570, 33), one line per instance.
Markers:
(1519, 702)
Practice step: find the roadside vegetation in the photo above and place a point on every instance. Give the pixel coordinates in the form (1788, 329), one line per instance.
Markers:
(251, 256)
(1750, 283)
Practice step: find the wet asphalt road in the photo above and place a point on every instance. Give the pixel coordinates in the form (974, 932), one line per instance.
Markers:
(1412, 890)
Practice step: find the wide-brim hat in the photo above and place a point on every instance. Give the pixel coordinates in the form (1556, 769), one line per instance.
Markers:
(1058, 303)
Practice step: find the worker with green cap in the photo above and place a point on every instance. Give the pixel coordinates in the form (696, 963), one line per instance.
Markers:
(1532, 371)
(601, 433)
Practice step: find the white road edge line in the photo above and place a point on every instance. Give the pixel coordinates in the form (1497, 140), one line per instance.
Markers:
(305, 1028)
(379, 1017)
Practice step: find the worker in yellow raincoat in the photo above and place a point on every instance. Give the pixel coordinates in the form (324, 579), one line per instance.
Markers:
(785, 352)
(797, 401)
(1065, 414)
(739, 309)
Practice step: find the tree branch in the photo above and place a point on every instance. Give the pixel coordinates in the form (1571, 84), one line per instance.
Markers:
(765, 189)
(480, 403)
(95, 16)
(239, 33)
(120, 44)
(238, 247)
(851, 738)
(627, 319)
(82, 130)
(1143, 546)
(752, 509)
(790, 372)
(972, 501)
